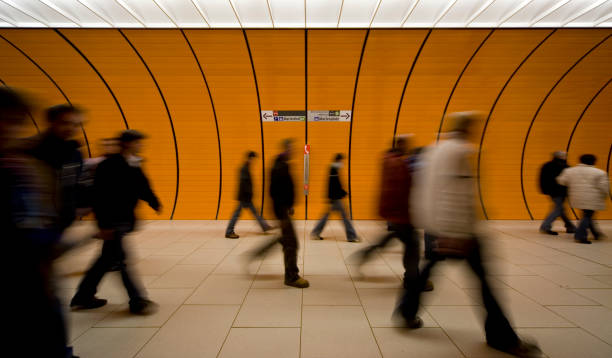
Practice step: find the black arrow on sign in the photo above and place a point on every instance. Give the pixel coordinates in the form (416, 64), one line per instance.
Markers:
(266, 116)
(346, 115)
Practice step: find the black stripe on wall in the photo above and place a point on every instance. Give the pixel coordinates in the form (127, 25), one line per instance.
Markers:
(399, 107)
(212, 103)
(54, 83)
(176, 192)
(263, 158)
(484, 129)
(365, 42)
(459, 79)
(98, 73)
(608, 168)
(306, 107)
(535, 116)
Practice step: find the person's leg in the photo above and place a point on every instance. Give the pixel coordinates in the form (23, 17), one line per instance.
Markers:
(262, 223)
(290, 246)
(133, 290)
(409, 302)
(554, 214)
(318, 229)
(589, 214)
(233, 220)
(569, 225)
(351, 235)
(89, 285)
(583, 225)
(498, 331)
(411, 257)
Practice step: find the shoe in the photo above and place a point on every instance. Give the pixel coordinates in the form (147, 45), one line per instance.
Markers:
(570, 230)
(231, 235)
(428, 286)
(549, 232)
(269, 228)
(316, 237)
(299, 283)
(87, 304)
(414, 323)
(354, 239)
(585, 241)
(143, 307)
(523, 349)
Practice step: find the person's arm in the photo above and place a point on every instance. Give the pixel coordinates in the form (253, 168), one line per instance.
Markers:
(563, 178)
(147, 194)
(603, 184)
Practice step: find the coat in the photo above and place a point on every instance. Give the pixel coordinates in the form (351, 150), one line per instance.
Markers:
(394, 204)
(449, 192)
(334, 189)
(117, 188)
(282, 188)
(245, 189)
(548, 178)
(588, 186)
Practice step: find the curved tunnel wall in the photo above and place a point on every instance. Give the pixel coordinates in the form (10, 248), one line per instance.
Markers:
(198, 93)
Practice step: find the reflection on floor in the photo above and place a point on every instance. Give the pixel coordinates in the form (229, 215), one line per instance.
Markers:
(213, 305)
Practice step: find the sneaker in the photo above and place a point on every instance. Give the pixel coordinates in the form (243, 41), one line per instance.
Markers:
(231, 235)
(428, 286)
(523, 349)
(414, 323)
(316, 237)
(87, 304)
(549, 232)
(299, 283)
(353, 239)
(143, 307)
(585, 241)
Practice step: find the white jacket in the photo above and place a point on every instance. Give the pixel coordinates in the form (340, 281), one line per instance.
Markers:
(448, 190)
(588, 186)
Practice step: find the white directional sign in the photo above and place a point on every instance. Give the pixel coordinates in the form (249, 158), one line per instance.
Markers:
(283, 116)
(313, 116)
(329, 116)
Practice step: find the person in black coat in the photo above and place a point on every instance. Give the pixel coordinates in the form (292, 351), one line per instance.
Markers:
(118, 185)
(557, 192)
(335, 194)
(245, 199)
(282, 192)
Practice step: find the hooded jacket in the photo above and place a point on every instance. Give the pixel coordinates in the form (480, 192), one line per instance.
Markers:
(334, 189)
(588, 186)
(548, 178)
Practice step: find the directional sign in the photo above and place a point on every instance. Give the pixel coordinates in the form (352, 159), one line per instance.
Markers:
(283, 116)
(329, 116)
(267, 116)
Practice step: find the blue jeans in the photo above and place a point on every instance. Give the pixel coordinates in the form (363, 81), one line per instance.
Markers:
(585, 224)
(246, 205)
(558, 211)
(336, 205)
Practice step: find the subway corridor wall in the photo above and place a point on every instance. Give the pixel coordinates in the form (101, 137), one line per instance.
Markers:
(198, 95)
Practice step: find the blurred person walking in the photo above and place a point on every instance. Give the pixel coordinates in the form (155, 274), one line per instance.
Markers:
(557, 192)
(335, 194)
(28, 222)
(118, 186)
(588, 191)
(449, 214)
(245, 199)
(282, 191)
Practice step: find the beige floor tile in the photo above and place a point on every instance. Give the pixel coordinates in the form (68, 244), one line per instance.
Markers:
(544, 292)
(220, 243)
(580, 265)
(380, 303)
(607, 279)
(156, 265)
(167, 299)
(446, 293)
(374, 276)
(179, 249)
(337, 332)
(565, 277)
(221, 290)
(262, 343)
(193, 331)
(330, 290)
(205, 257)
(568, 342)
(424, 342)
(504, 268)
(595, 319)
(324, 265)
(112, 342)
(79, 322)
(183, 276)
(237, 265)
(272, 276)
(601, 296)
(271, 308)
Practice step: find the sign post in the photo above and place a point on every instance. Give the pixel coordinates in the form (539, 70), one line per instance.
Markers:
(306, 168)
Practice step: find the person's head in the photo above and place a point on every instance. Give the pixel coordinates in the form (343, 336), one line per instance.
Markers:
(462, 122)
(130, 141)
(64, 120)
(14, 109)
(560, 155)
(588, 159)
(402, 144)
(339, 157)
(250, 156)
(287, 147)
(109, 146)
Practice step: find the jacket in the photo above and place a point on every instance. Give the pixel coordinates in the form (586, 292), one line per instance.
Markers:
(281, 187)
(117, 189)
(449, 193)
(335, 190)
(394, 204)
(66, 162)
(245, 189)
(548, 175)
(588, 186)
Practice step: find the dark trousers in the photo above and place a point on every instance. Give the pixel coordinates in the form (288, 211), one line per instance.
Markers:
(245, 205)
(498, 331)
(290, 245)
(558, 211)
(586, 223)
(112, 255)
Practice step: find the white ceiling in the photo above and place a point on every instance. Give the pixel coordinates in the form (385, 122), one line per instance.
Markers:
(305, 13)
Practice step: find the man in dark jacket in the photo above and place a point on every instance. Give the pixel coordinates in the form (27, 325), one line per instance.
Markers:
(335, 194)
(557, 192)
(282, 192)
(118, 185)
(245, 199)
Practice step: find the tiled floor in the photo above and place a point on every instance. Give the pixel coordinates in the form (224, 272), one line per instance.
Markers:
(214, 304)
